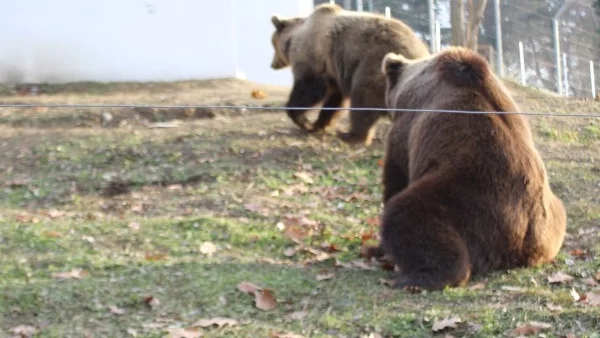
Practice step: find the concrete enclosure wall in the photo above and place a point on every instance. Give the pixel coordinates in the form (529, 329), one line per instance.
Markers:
(140, 40)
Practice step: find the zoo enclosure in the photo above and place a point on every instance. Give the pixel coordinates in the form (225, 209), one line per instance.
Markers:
(552, 45)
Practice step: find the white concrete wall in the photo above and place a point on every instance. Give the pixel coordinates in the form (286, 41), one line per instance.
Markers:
(140, 40)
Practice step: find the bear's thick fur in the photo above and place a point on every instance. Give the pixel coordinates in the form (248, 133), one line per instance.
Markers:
(464, 193)
(335, 56)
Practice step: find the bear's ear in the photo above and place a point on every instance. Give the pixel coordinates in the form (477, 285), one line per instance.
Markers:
(392, 64)
(278, 23)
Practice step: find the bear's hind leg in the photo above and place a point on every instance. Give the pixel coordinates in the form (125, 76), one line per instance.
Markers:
(428, 251)
(307, 92)
(362, 122)
(544, 240)
(328, 117)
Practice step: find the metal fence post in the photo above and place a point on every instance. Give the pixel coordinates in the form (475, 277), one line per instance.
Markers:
(556, 27)
(593, 79)
(499, 46)
(522, 62)
(565, 74)
(431, 8)
(348, 4)
(359, 5)
(388, 12)
(438, 37)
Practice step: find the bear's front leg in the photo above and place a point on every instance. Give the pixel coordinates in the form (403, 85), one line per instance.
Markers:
(309, 89)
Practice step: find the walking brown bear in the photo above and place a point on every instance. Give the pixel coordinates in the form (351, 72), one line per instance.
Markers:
(335, 57)
(464, 194)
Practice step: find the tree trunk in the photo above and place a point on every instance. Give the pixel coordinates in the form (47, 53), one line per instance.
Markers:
(476, 13)
(457, 10)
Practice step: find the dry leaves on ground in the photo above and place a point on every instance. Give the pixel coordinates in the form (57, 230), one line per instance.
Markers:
(560, 277)
(23, 331)
(593, 298)
(217, 321)
(445, 323)
(115, 310)
(264, 299)
(532, 327)
(304, 176)
(75, 273)
(284, 335)
(152, 302)
(208, 248)
(325, 274)
(184, 333)
(258, 94)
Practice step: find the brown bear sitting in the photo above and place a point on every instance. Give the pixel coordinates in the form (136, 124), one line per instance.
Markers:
(464, 193)
(335, 55)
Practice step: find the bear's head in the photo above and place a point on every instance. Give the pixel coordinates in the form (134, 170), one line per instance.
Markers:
(409, 81)
(282, 39)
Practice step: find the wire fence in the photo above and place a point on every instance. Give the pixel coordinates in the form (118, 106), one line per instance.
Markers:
(552, 45)
(282, 108)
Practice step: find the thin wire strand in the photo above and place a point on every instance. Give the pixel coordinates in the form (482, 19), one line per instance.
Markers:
(441, 111)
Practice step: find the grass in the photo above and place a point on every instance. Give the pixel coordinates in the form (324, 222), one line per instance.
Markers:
(127, 210)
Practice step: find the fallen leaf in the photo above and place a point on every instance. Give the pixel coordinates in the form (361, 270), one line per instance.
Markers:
(445, 323)
(134, 226)
(330, 248)
(75, 273)
(511, 288)
(325, 274)
(575, 295)
(297, 315)
(577, 253)
(478, 286)
(357, 196)
(387, 282)
(284, 335)
(116, 310)
(152, 302)
(168, 124)
(553, 307)
(139, 208)
(593, 298)
(265, 299)
(474, 327)
(184, 333)
(373, 335)
(380, 162)
(208, 248)
(363, 266)
(218, 321)
(248, 287)
(222, 300)
(174, 187)
(296, 233)
(367, 237)
(132, 332)
(52, 234)
(155, 257)
(373, 221)
(258, 94)
(560, 277)
(597, 276)
(304, 176)
(23, 331)
(55, 213)
(257, 208)
(532, 327)
(289, 252)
